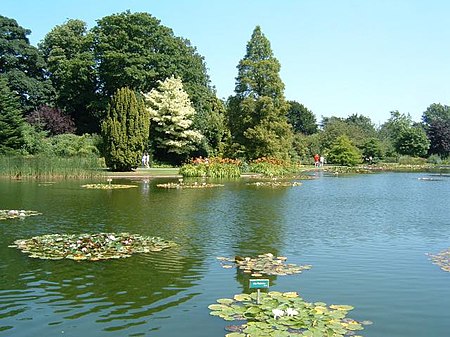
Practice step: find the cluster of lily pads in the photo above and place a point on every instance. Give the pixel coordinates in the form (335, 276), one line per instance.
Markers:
(92, 247)
(441, 259)
(264, 264)
(188, 185)
(107, 186)
(14, 213)
(275, 183)
(283, 315)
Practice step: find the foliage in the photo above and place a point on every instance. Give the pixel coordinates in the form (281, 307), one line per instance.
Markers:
(52, 120)
(306, 146)
(11, 120)
(215, 167)
(372, 149)
(272, 167)
(125, 131)
(283, 315)
(135, 50)
(436, 112)
(35, 141)
(23, 66)
(301, 119)
(171, 115)
(68, 51)
(70, 145)
(356, 127)
(438, 133)
(343, 152)
(408, 160)
(257, 113)
(412, 141)
(50, 167)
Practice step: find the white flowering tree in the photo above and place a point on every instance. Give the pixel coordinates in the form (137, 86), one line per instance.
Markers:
(171, 117)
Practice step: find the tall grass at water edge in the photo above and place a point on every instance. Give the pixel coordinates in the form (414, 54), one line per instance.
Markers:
(51, 167)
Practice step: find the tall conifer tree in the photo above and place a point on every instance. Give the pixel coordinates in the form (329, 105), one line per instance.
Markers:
(125, 130)
(11, 120)
(257, 113)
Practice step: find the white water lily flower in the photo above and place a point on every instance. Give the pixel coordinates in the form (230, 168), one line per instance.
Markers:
(277, 313)
(291, 312)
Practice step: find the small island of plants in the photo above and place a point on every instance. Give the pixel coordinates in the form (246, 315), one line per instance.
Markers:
(14, 213)
(442, 259)
(107, 186)
(91, 247)
(284, 315)
(264, 264)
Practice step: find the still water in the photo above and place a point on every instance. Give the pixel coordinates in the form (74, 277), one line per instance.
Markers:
(366, 237)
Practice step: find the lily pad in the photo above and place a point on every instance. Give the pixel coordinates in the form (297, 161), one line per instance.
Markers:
(284, 315)
(107, 186)
(264, 264)
(14, 214)
(91, 247)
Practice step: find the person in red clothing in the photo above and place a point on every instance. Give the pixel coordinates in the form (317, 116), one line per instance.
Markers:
(316, 159)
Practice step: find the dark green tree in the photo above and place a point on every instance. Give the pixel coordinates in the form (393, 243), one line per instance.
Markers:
(372, 149)
(436, 121)
(434, 112)
(343, 152)
(413, 142)
(301, 119)
(23, 66)
(11, 120)
(125, 130)
(438, 133)
(257, 113)
(135, 50)
(68, 50)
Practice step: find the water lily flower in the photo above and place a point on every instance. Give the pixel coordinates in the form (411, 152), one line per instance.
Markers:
(291, 312)
(277, 313)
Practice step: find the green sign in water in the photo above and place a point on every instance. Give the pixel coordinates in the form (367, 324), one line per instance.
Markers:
(259, 283)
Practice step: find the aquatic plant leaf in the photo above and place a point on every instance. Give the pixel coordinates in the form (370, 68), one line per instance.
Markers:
(225, 301)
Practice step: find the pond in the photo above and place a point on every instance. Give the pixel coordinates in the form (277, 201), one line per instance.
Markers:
(366, 237)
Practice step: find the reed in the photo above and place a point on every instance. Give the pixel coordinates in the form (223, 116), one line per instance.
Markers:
(51, 167)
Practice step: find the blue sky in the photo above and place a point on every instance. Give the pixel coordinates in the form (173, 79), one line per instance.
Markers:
(338, 57)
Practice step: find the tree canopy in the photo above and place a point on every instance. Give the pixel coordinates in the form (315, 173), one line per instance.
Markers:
(257, 113)
(171, 115)
(23, 66)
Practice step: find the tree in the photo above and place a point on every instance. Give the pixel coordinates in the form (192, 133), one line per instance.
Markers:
(257, 113)
(436, 112)
(68, 50)
(51, 119)
(301, 119)
(23, 66)
(171, 116)
(125, 131)
(436, 120)
(372, 148)
(135, 50)
(11, 120)
(343, 152)
(439, 135)
(413, 142)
